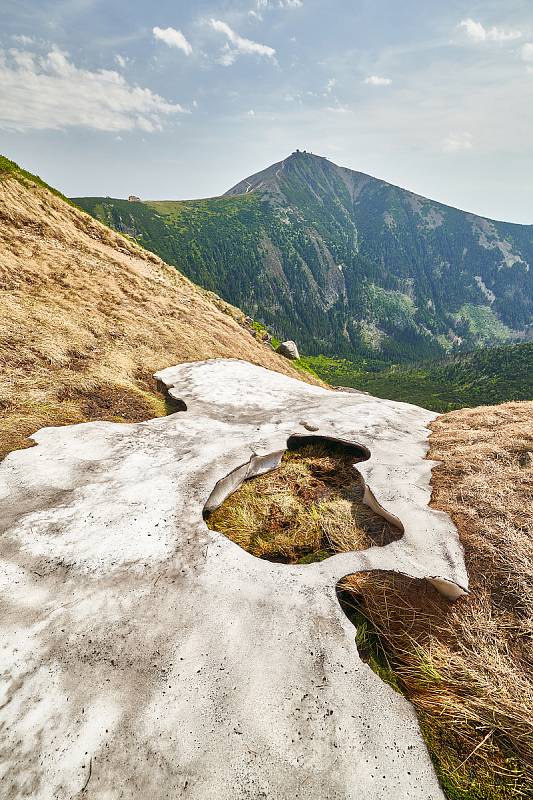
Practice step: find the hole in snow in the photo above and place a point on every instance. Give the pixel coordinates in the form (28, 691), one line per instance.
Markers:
(306, 509)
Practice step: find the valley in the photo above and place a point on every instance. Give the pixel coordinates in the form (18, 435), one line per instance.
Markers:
(483, 377)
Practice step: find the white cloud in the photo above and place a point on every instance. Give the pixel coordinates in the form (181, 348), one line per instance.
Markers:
(527, 52)
(121, 61)
(227, 56)
(22, 39)
(339, 109)
(250, 113)
(457, 142)
(266, 4)
(330, 85)
(173, 38)
(477, 32)
(375, 80)
(239, 45)
(51, 92)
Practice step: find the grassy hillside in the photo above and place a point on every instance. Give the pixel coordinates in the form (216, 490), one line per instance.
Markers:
(9, 168)
(87, 316)
(483, 377)
(237, 247)
(344, 263)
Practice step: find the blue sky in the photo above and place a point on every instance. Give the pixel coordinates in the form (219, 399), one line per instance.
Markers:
(175, 99)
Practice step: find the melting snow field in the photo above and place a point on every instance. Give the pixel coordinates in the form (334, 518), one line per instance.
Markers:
(143, 655)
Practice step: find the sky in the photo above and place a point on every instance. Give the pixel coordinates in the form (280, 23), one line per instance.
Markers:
(172, 99)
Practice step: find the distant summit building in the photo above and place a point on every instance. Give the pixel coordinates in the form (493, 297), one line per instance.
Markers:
(134, 199)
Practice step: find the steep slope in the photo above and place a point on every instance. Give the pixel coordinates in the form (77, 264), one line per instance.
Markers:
(485, 377)
(86, 317)
(343, 262)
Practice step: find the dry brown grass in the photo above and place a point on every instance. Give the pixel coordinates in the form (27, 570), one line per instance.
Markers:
(86, 317)
(468, 668)
(308, 509)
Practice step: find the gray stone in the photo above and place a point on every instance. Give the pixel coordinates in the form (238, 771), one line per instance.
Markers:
(350, 390)
(289, 350)
(142, 650)
(310, 425)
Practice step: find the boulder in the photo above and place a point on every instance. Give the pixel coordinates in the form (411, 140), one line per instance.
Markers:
(289, 350)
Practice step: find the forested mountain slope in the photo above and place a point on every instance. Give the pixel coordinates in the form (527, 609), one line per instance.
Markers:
(484, 377)
(343, 262)
(86, 317)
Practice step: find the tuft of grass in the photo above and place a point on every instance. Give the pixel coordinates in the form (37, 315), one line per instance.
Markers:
(308, 509)
(370, 646)
(477, 732)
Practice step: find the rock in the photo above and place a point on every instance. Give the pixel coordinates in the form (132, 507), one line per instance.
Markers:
(525, 459)
(289, 350)
(310, 425)
(153, 653)
(134, 199)
(350, 390)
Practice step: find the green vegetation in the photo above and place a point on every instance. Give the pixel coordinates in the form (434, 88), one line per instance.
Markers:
(484, 324)
(10, 169)
(371, 648)
(483, 377)
(343, 263)
(305, 512)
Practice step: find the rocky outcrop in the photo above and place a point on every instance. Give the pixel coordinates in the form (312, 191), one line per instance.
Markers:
(289, 350)
(145, 654)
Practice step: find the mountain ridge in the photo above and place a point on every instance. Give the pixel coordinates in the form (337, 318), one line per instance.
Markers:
(240, 187)
(343, 262)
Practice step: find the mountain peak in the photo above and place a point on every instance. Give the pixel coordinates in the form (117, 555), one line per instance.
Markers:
(300, 167)
(345, 263)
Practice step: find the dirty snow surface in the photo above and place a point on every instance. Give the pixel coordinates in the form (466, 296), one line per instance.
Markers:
(145, 656)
